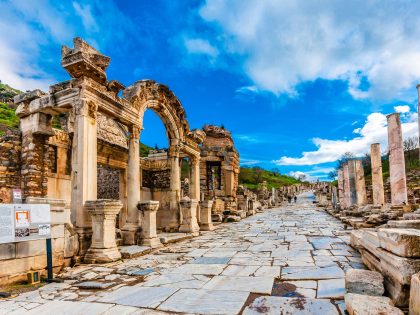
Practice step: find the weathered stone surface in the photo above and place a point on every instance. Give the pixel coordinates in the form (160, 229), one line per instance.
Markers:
(205, 302)
(404, 224)
(415, 295)
(93, 285)
(357, 304)
(364, 282)
(282, 305)
(331, 289)
(402, 242)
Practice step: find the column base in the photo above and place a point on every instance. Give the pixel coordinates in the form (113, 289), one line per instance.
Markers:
(152, 242)
(129, 234)
(207, 227)
(85, 239)
(102, 255)
(189, 229)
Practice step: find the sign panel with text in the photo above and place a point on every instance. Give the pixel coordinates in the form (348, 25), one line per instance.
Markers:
(24, 222)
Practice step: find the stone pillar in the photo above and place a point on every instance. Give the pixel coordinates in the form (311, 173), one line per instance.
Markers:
(378, 194)
(195, 178)
(189, 216)
(103, 248)
(340, 181)
(206, 223)
(175, 186)
(418, 112)
(36, 129)
(352, 182)
(148, 211)
(346, 186)
(133, 188)
(415, 295)
(84, 169)
(360, 184)
(396, 161)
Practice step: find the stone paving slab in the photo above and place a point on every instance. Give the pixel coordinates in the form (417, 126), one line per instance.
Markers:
(205, 302)
(216, 272)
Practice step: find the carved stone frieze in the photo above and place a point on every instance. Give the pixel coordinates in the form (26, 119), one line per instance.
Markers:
(110, 131)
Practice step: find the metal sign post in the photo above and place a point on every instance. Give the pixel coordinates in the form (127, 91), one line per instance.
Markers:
(50, 275)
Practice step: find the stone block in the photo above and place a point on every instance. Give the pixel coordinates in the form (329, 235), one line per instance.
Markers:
(404, 224)
(30, 248)
(355, 238)
(415, 295)
(7, 251)
(57, 231)
(364, 282)
(399, 268)
(357, 304)
(402, 242)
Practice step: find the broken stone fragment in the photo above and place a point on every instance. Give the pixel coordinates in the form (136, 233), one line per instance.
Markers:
(415, 295)
(364, 282)
(357, 304)
(402, 242)
(404, 224)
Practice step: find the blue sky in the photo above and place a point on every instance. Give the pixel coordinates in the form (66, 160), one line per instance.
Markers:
(298, 83)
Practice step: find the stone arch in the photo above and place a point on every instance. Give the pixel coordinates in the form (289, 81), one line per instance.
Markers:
(148, 94)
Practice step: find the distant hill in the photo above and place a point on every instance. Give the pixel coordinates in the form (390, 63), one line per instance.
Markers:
(8, 118)
(7, 93)
(250, 177)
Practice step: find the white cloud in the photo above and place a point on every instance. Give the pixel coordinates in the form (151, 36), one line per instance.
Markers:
(402, 109)
(249, 162)
(200, 46)
(31, 30)
(373, 45)
(374, 130)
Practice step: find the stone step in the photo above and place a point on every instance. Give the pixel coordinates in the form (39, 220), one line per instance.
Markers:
(166, 238)
(133, 251)
(358, 304)
(402, 242)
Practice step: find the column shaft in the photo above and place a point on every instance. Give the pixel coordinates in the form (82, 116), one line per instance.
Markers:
(378, 195)
(360, 184)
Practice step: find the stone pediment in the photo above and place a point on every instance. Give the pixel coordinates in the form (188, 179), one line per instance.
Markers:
(110, 131)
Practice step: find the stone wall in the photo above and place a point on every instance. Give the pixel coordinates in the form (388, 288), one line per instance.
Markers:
(10, 151)
(159, 179)
(108, 182)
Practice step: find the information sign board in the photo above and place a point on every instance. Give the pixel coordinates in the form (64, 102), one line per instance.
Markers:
(23, 222)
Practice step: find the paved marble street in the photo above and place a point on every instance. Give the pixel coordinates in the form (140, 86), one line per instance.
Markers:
(288, 260)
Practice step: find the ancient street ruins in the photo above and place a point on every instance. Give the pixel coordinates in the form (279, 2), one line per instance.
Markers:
(91, 225)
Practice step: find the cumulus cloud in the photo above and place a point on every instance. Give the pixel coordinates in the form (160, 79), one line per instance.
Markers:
(373, 45)
(200, 46)
(402, 109)
(373, 131)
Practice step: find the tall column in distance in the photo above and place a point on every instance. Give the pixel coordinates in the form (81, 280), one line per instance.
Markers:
(378, 194)
(418, 112)
(360, 183)
(340, 187)
(396, 161)
(352, 182)
(346, 185)
(133, 188)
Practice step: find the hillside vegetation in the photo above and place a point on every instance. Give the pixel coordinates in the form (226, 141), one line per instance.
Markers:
(250, 177)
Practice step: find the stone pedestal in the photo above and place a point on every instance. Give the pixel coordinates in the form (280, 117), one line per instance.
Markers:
(377, 179)
(396, 161)
(148, 211)
(206, 223)
(103, 248)
(189, 216)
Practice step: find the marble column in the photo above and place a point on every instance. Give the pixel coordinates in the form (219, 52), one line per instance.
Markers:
(340, 181)
(206, 223)
(84, 169)
(378, 194)
(175, 186)
(103, 248)
(360, 184)
(396, 161)
(195, 177)
(148, 211)
(418, 112)
(189, 222)
(133, 188)
(352, 182)
(346, 186)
